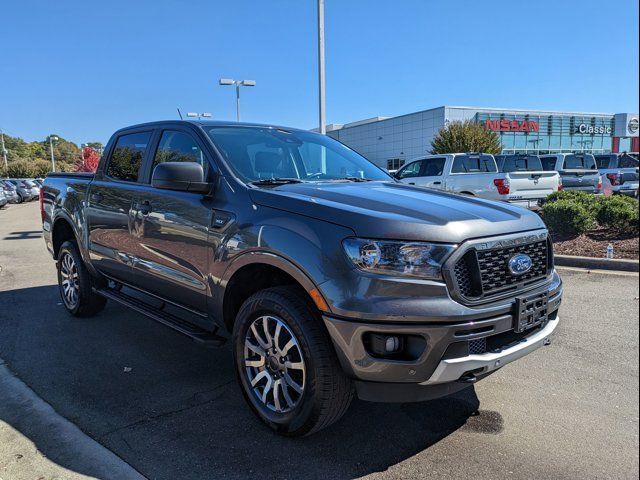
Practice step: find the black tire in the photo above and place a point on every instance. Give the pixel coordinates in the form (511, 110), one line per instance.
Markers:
(327, 391)
(85, 302)
(20, 199)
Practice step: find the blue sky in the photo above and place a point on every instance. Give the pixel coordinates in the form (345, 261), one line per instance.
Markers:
(85, 68)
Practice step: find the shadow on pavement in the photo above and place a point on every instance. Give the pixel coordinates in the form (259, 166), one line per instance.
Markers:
(26, 235)
(173, 410)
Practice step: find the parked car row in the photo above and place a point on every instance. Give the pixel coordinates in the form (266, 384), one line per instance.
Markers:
(518, 179)
(523, 179)
(18, 190)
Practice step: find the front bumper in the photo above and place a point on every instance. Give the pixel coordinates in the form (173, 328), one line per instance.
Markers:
(443, 366)
(451, 370)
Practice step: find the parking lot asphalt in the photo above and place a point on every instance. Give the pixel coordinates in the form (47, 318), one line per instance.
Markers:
(172, 409)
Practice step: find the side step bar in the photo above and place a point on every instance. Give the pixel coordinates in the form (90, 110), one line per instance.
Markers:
(172, 321)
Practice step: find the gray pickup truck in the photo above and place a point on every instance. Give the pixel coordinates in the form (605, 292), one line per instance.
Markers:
(327, 276)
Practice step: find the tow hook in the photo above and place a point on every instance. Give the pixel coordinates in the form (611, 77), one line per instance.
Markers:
(546, 342)
(468, 378)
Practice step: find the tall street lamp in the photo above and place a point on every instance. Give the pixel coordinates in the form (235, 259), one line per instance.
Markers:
(52, 138)
(238, 84)
(321, 110)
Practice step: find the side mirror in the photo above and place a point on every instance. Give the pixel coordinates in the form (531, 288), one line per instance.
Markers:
(180, 176)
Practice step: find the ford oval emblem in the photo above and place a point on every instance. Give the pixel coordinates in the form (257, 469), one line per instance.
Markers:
(520, 264)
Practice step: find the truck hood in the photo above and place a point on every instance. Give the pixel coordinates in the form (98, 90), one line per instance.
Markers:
(398, 211)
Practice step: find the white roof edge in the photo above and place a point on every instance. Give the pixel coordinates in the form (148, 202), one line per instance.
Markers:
(529, 110)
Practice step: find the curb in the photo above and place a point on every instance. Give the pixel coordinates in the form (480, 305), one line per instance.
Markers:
(597, 263)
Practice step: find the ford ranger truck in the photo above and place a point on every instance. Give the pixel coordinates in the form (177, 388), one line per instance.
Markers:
(328, 277)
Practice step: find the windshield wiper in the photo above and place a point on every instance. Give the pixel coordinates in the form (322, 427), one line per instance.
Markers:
(353, 179)
(276, 181)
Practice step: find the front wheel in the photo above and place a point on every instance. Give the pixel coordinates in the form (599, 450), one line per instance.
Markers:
(286, 365)
(76, 283)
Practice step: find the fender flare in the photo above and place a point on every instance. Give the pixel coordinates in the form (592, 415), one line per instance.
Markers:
(267, 258)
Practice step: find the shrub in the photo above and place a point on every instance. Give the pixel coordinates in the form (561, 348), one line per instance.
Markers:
(619, 213)
(587, 200)
(568, 217)
(466, 136)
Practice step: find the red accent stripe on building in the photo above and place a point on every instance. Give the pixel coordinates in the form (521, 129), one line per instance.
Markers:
(615, 145)
(635, 144)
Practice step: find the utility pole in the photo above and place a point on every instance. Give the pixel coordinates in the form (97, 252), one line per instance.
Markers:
(4, 150)
(321, 112)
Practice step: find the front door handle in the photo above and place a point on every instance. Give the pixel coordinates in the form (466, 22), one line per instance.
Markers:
(96, 197)
(144, 207)
(437, 183)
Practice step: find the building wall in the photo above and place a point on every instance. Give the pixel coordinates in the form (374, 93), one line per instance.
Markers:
(393, 141)
(402, 138)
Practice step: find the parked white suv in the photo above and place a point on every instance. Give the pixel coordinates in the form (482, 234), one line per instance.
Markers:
(477, 174)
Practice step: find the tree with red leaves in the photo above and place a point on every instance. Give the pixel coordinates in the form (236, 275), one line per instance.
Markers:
(89, 160)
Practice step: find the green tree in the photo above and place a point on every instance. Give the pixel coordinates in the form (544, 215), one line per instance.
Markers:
(466, 136)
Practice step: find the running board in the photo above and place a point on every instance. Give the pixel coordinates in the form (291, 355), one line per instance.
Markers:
(198, 334)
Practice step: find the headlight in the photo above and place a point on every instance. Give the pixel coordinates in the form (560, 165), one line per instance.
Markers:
(414, 259)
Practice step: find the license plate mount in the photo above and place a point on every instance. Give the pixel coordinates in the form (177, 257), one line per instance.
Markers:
(531, 311)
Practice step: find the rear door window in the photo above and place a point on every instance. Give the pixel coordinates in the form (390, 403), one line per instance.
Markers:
(433, 167)
(127, 155)
(474, 164)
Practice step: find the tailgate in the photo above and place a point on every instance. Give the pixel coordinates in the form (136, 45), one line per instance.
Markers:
(580, 179)
(629, 175)
(527, 185)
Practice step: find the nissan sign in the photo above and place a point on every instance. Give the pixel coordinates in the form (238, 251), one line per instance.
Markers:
(591, 129)
(512, 125)
(632, 126)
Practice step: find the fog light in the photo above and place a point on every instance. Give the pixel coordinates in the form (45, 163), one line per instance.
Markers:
(392, 344)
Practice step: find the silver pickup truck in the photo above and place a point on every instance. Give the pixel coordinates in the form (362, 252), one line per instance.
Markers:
(577, 171)
(619, 173)
(479, 175)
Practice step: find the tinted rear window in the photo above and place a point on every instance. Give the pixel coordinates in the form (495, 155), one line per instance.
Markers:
(627, 161)
(126, 158)
(579, 162)
(603, 161)
(519, 163)
(474, 164)
(548, 163)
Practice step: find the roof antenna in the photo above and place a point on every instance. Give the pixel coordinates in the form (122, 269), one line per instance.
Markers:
(179, 113)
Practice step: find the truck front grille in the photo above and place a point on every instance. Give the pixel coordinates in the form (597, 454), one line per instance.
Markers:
(483, 273)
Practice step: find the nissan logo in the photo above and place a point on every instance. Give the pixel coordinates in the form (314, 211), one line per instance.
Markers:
(520, 264)
(632, 126)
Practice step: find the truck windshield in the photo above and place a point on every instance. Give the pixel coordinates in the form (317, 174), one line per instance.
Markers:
(262, 153)
(580, 162)
(519, 163)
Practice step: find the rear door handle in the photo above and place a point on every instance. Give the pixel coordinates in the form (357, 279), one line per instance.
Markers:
(96, 197)
(144, 207)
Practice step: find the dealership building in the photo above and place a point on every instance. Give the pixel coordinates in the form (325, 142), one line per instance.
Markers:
(389, 142)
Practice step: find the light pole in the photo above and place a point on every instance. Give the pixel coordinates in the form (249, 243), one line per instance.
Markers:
(321, 102)
(4, 150)
(238, 84)
(199, 115)
(52, 138)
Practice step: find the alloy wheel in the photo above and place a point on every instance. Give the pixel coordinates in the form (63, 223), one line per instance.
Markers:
(274, 364)
(69, 284)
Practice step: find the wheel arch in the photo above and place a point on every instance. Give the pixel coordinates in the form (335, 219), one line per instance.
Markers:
(256, 271)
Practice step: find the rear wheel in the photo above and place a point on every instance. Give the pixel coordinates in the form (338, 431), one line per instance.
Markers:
(286, 365)
(76, 283)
